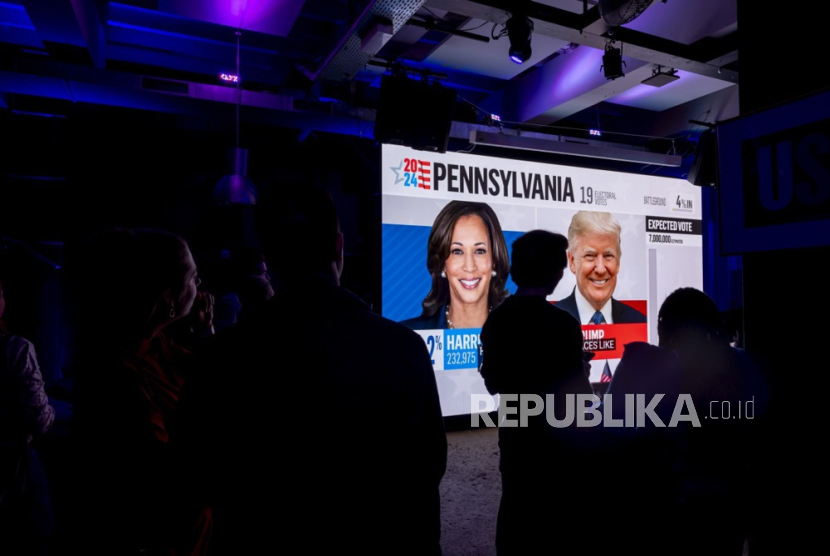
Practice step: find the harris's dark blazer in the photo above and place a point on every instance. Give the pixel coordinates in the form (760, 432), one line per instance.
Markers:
(438, 321)
(620, 312)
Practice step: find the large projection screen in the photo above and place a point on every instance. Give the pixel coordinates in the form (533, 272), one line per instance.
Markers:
(660, 244)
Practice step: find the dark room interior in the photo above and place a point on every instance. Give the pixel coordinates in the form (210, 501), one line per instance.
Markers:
(128, 113)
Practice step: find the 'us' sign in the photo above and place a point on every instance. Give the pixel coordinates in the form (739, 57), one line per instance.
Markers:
(774, 177)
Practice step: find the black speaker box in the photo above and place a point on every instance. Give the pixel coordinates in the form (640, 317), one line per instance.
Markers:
(704, 170)
(414, 113)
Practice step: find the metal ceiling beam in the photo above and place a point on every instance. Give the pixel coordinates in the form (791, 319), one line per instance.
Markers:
(572, 149)
(562, 87)
(635, 72)
(570, 83)
(269, 18)
(348, 58)
(586, 29)
(463, 130)
(83, 84)
(712, 108)
(73, 22)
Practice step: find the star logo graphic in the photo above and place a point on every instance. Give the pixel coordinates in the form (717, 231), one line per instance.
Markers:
(398, 177)
(465, 381)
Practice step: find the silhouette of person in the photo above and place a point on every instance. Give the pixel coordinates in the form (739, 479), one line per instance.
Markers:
(321, 420)
(26, 519)
(467, 261)
(728, 393)
(642, 455)
(691, 477)
(529, 346)
(134, 495)
(244, 288)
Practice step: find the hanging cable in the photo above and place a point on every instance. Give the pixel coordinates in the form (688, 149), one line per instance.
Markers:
(238, 88)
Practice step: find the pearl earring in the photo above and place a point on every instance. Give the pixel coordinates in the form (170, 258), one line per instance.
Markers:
(443, 274)
(494, 273)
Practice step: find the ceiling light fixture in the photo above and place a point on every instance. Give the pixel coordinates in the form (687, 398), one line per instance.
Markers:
(552, 146)
(236, 188)
(612, 62)
(519, 31)
(659, 77)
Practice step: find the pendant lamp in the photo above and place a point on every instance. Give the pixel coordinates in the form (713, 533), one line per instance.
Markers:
(235, 187)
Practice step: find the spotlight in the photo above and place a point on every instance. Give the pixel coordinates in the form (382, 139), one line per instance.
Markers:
(612, 62)
(659, 77)
(519, 29)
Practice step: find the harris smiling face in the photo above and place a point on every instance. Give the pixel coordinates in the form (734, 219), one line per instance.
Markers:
(441, 253)
(470, 263)
(594, 255)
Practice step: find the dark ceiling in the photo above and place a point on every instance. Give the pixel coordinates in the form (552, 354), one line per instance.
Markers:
(315, 65)
(116, 112)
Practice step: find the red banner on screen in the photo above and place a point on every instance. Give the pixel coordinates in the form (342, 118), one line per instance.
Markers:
(639, 304)
(608, 341)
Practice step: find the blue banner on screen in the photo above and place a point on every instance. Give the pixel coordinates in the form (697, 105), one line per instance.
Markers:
(474, 207)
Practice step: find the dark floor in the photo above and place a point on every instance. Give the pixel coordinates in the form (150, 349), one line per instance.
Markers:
(470, 490)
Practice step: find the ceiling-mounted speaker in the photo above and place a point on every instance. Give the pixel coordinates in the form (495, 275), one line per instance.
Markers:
(612, 63)
(704, 170)
(414, 113)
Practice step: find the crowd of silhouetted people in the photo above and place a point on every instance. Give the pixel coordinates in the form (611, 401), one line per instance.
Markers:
(254, 416)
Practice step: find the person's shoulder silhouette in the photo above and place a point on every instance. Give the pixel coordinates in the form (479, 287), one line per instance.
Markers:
(26, 520)
(320, 404)
(530, 347)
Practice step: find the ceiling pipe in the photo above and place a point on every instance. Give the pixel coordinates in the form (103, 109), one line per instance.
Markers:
(313, 75)
(430, 24)
(350, 55)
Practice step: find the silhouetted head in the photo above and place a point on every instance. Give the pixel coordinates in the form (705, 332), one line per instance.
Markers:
(688, 312)
(732, 326)
(539, 259)
(594, 255)
(299, 232)
(255, 286)
(467, 257)
(138, 277)
(3, 327)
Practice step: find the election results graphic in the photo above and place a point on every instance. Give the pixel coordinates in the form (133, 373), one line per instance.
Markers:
(412, 172)
(660, 249)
